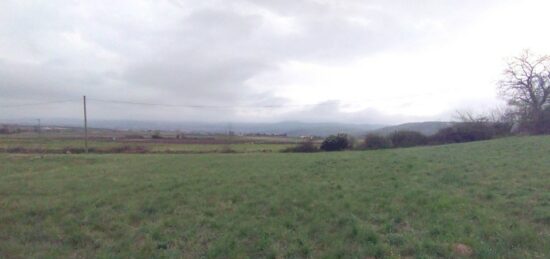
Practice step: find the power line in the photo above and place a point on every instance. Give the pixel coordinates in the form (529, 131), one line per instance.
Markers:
(194, 106)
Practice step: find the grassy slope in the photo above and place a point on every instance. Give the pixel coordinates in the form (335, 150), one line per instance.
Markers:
(492, 196)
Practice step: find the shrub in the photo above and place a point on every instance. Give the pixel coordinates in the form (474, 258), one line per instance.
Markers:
(156, 135)
(375, 141)
(335, 143)
(134, 136)
(546, 121)
(126, 149)
(227, 149)
(471, 131)
(502, 128)
(17, 150)
(407, 138)
(77, 150)
(305, 147)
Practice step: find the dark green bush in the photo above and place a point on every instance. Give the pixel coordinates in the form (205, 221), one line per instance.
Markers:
(407, 138)
(336, 143)
(470, 131)
(305, 147)
(537, 124)
(156, 135)
(375, 141)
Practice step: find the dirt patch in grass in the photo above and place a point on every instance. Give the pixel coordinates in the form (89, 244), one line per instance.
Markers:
(463, 250)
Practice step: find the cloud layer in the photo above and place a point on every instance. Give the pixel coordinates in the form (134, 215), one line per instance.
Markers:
(316, 60)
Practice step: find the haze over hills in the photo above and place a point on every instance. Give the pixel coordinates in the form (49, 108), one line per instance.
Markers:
(290, 128)
(427, 128)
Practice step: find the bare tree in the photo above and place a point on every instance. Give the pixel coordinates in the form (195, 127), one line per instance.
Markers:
(527, 86)
(470, 117)
(498, 114)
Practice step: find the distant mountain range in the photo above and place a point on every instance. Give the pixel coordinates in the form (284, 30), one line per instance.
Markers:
(289, 128)
(427, 128)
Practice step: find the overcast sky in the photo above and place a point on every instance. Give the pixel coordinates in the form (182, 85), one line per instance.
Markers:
(318, 60)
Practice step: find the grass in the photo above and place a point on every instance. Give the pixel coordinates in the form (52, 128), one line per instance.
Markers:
(493, 197)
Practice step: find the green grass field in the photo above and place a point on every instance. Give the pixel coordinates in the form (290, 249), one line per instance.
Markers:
(493, 197)
(57, 145)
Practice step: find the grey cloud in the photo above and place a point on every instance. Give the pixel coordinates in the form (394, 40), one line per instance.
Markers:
(200, 52)
(333, 109)
(37, 82)
(191, 78)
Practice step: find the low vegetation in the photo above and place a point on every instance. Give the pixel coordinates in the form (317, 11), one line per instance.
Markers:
(375, 141)
(307, 146)
(460, 132)
(485, 199)
(471, 131)
(67, 144)
(336, 143)
(406, 138)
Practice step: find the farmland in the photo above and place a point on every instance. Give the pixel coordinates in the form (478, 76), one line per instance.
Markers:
(486, 199)
(115, 142)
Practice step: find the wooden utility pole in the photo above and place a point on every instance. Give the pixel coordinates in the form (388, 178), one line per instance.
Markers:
(85, 127)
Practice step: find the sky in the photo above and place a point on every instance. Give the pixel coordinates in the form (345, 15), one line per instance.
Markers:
(377, 62)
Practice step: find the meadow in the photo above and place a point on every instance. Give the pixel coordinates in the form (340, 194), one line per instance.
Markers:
(487, 199)
(63, 143)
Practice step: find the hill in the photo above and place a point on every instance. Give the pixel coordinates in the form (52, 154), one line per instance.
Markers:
(290, 128)
(427, 128)
(484, 199)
